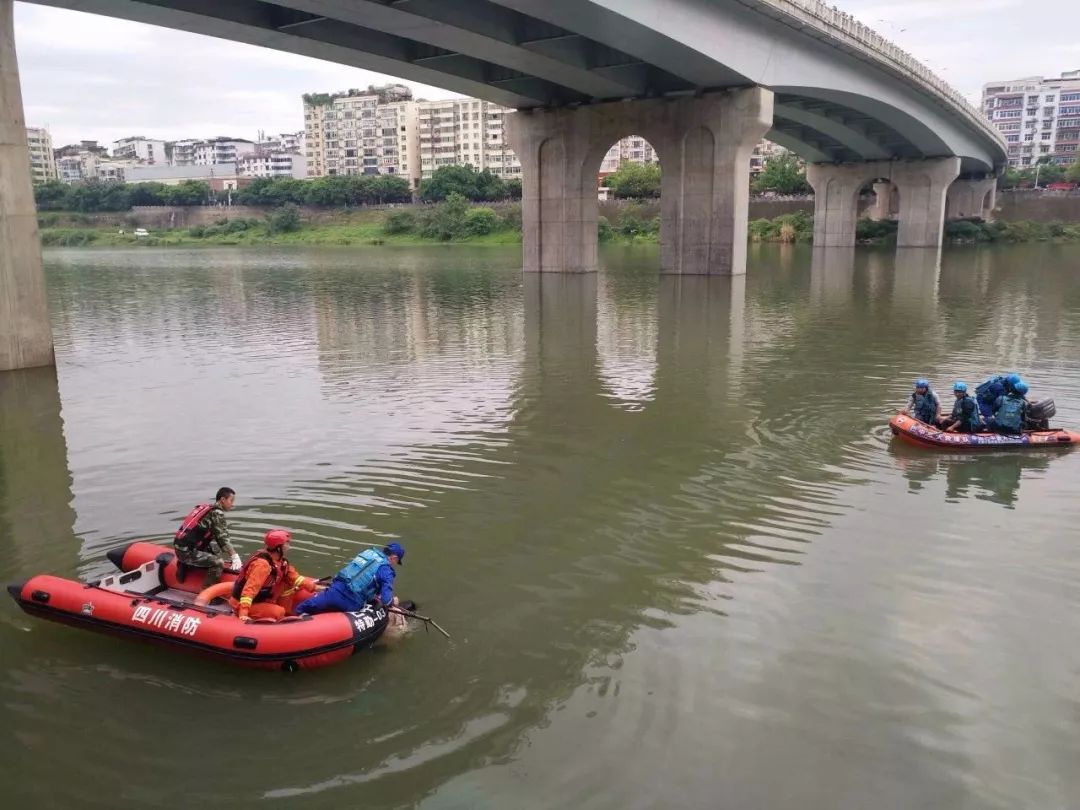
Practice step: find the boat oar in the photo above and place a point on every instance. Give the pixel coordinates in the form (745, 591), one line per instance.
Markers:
(424, 619)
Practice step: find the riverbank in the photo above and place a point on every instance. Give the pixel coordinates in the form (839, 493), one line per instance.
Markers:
(457, 222)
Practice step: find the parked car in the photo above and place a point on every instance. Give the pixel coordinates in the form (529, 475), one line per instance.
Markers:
(141, 232)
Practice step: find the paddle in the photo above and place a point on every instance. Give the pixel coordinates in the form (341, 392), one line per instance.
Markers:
(425, 619)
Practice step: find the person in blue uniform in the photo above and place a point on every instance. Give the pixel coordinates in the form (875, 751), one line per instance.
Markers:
(1010, 411)
(923, 404)
(367, 579)
(965, 413)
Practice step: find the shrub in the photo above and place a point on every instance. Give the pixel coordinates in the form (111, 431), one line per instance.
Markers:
(868, 230)
(604, 231)
(447, 220)
(283, 220)
(965, 231)
(198, 232)
(61, 237)
(481, 221)
(400, 222)
(510, 218)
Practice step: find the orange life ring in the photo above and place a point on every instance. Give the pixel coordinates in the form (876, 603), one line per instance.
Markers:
(208, 595)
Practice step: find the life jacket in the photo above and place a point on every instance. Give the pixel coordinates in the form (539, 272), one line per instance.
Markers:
(970, 420)
(359, 574)
(1010, 414)
(190, 534)
(275, 582)
(925, 406)
(990, 389)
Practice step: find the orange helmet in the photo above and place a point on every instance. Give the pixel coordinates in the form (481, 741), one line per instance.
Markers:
(276, 538)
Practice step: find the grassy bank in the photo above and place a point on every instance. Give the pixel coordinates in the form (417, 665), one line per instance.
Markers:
(458, 222)
(799, 227)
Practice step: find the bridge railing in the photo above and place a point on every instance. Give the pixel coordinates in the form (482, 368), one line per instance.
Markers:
(843, 27)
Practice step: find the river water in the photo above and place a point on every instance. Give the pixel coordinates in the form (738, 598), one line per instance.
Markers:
(682, 562)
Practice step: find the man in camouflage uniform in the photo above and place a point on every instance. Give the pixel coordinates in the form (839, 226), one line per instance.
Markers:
(203, 538)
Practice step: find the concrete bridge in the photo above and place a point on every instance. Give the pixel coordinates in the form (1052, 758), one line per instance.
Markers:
(702, 80)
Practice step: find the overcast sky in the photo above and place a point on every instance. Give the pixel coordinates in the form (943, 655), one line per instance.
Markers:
(85, 76)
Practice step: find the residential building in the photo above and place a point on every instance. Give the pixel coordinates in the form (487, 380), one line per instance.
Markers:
(272, 163)
(1040, 118)
(140, 148)
(285, 142)
(210, 152)
(465, 131)
(362, 132)
(42, 160)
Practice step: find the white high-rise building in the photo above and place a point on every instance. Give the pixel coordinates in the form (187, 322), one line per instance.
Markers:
(146, 150)
(1040, 118)
(362, 132)
(42, 160)
(465, 131)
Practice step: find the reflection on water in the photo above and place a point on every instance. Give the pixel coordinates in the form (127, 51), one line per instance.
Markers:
(682, 561)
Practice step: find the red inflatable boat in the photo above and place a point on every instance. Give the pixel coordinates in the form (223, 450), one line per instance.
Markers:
(149, 601)
(924, 435)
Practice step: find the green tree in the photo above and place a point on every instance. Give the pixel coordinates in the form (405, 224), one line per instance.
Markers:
(782, 174)
(148, 193)
(1048, 173)
(635, 180)
(1072, 174)
(51, 196)
(447, 180)
(189, 192)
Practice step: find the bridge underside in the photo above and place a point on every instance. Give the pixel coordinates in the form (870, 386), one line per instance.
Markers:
(514, 52)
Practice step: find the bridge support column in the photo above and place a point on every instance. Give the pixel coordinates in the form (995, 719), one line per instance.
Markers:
(704, 145)
(25, 332)
(882, 207)
(922, 185)
(836, 201)
(971, 198)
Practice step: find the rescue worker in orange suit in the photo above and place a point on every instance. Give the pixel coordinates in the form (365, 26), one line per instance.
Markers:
(268, 584)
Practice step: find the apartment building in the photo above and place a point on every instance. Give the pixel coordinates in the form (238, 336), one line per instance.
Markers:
(465, 131)
(1040, 118)
(42, 160)
(270, 162)
(139, 148)
(362, 132)
(209, 152)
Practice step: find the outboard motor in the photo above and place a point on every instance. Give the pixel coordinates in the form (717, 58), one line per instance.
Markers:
(1039, 414)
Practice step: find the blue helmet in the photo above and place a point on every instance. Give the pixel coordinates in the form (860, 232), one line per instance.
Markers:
(1020, 387)
(396, 548)
(1013, 379)
(960, 387)
(922, 382)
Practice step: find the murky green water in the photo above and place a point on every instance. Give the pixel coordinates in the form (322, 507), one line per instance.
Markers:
(681, 560)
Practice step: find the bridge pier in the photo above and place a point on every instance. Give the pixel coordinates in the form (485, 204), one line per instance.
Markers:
(921, 184)
(971, 198)
(704, 145)
(25, 331)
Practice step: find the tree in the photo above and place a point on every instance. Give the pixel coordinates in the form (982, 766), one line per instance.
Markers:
(51, 196)
(782, 174)
(283, 219)
(148, 193)
(189, 192)
(1072, 174)
(635, 180)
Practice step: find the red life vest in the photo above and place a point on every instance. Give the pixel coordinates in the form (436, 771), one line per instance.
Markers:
(275, 582)
(190, 535)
